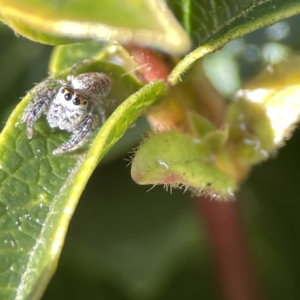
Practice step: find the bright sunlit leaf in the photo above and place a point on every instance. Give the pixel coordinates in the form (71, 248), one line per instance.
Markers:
(143, 22)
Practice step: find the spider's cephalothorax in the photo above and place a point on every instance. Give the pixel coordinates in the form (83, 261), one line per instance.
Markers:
(75, 105)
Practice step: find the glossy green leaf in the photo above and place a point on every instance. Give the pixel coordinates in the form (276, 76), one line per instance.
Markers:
(177, 160)
(144, 22)
(39, 191)
(214, 23)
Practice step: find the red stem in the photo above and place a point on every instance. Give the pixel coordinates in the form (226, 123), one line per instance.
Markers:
(228, 248)
(152, 67)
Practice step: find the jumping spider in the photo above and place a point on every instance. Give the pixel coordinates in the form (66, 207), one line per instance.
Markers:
(74, 105)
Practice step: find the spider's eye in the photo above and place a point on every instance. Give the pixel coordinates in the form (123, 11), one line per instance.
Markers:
(84, 102)
(68, 96)
(76, 101)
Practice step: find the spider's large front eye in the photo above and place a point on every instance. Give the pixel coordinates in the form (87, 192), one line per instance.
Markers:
(76, 101)
(67, 94)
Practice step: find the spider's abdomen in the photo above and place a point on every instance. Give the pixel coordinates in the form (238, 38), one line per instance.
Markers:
(94, 85)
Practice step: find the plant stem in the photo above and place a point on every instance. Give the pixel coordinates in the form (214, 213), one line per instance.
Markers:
(151, 66)
(228, 248)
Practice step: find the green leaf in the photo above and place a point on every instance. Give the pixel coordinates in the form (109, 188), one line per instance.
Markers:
(39, 191)
(177, 160)
(148, 23)
(214, 23)
(200, 125)
(250, 131)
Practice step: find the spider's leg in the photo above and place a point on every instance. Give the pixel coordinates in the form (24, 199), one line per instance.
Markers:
(37, 106)
(80, 134)
(101, 112)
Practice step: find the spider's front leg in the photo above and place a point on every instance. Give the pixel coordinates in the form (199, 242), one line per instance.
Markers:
(80, 134)
(37, 106)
